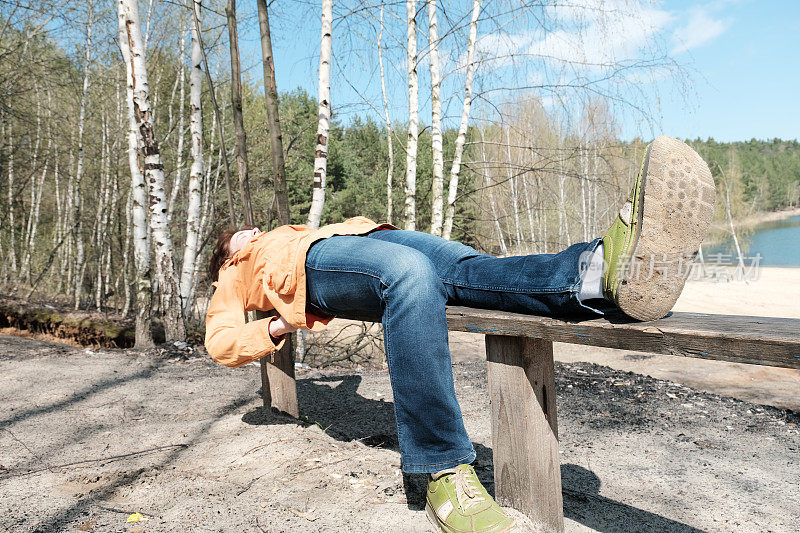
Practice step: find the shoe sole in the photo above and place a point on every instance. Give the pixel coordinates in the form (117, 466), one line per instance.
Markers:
(434, 520)
(675, 209)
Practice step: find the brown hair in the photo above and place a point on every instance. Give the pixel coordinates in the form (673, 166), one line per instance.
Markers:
(221, 251)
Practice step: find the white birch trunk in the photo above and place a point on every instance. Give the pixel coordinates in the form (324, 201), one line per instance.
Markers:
(541, 217)
(12, 256)
(38, 188)
(413, 118)
(140, 231)
(195, 175)
(512, 182)
(65, 282)
(563, 221)
(390, 170)
(3, 264)
(436, 122)
(594, 211)
(211, 185)
(583, 175)
(25, 272)
(209, 191)
(739, 255)
(178, 181)
(39, 191)
(529, 208)
(76, 198)
(102, 214)
(170, 111)
(115, 276)
(154, 171)
(147, 27)
(489, 186)
(324, 124)
(59, 222)
(455, 170)
(126, 253)
(154, 174)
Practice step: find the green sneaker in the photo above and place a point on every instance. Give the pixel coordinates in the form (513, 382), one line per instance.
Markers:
(457, 503)
(649, 248)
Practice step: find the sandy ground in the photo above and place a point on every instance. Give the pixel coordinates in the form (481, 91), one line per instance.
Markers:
(774, 293)
(89, 438)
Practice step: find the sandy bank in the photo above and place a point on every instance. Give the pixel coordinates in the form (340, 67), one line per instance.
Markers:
(775, 293)
(757, 218)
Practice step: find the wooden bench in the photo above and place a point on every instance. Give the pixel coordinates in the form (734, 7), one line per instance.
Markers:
(519, 351)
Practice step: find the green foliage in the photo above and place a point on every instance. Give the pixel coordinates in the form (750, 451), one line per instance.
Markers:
(40, 96)
(357, 172)
(358, 159)
(765, 174)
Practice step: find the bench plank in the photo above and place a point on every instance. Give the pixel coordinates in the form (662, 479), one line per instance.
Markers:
(741, 339)
(522, 393)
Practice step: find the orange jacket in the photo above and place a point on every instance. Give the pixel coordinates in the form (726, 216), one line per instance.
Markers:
(267, 273)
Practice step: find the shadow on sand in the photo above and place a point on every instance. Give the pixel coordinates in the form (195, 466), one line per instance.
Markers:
(335, 405)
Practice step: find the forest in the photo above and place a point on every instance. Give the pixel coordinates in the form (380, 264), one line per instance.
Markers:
(129, 137)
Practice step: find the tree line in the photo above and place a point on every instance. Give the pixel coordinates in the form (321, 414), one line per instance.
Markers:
(130, 141)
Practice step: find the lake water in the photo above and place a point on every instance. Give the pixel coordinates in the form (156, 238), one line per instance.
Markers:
(777, 241)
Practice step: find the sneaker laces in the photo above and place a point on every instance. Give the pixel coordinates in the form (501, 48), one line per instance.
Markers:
(467, 493)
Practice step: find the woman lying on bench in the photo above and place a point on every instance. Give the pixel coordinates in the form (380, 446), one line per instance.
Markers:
(404, 279)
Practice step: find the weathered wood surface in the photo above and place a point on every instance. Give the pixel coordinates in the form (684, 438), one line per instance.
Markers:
(278, 385)
(527, 469)
(741, 339)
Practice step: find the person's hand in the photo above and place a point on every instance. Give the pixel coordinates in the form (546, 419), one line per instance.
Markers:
(280, 327)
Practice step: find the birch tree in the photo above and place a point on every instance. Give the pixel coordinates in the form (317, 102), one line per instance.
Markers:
(12, 256)
(389, 133)
(188, 266)
(76, 195)
(512, 182)
(324, 124)
(212, 94)
(36, 192)
(138, 209)
(492, 205)
(154, 174)
(413, 117)
(180, 80)
(436, 122)
(101, 212)
(455, 169)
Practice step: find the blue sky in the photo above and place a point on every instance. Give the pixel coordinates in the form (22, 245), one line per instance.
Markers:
(738, 78)
(747, 78)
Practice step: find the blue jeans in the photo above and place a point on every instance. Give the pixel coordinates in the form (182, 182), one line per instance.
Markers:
(404, 279)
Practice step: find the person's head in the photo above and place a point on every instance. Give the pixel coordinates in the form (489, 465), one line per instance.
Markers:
(229, 242)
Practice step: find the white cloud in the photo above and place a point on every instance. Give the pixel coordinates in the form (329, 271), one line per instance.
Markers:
(615, 31)
(700, 30)
(595, 35)
(497, 49)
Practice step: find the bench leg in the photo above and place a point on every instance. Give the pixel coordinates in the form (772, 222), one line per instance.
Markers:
(277, 380)
(527, 469)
